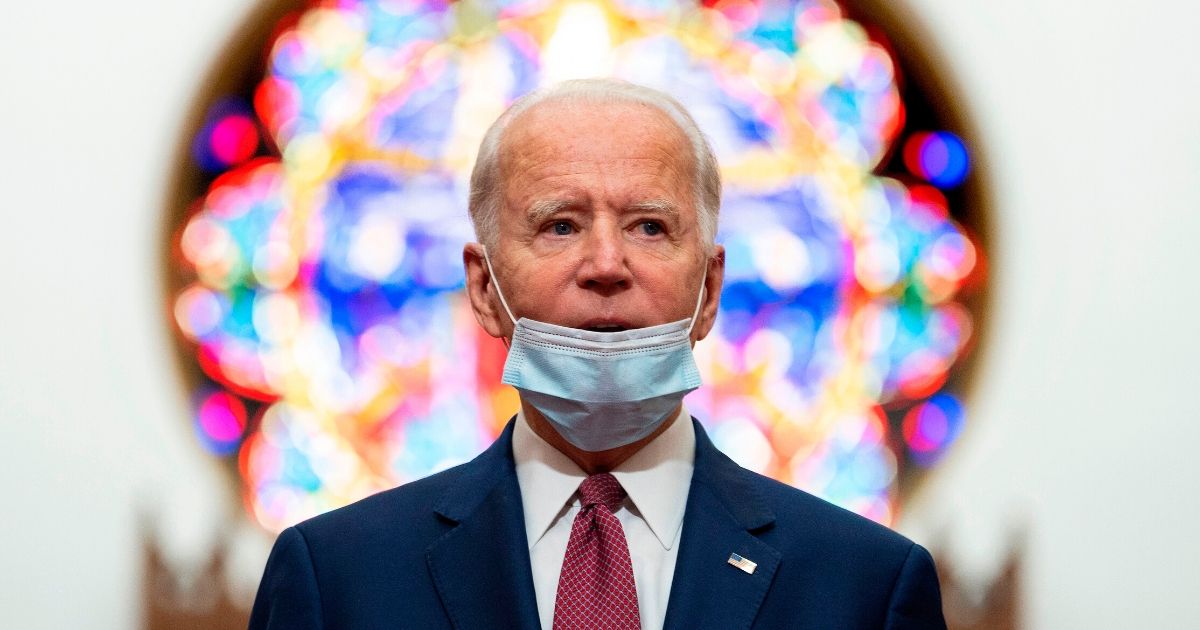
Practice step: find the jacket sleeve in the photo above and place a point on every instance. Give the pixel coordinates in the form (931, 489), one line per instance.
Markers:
(916, 600)
(288, 597)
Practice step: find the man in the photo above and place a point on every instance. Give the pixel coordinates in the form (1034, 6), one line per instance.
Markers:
(602, 504)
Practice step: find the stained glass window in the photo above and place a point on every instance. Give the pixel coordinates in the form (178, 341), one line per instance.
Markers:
(320, 282)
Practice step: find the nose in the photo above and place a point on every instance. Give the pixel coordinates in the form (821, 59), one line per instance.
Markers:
(605, 268)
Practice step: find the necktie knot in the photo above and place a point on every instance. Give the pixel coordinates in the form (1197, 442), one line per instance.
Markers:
(603, 489)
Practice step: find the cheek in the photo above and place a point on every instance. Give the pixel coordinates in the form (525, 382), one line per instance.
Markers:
(671, 292)
(536, 284)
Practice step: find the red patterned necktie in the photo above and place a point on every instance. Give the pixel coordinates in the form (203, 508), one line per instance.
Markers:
(596, 589)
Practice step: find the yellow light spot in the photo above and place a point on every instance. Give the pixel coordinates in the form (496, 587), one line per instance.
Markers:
(581, 45)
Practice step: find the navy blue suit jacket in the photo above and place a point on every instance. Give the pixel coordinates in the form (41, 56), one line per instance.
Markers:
(449, 551)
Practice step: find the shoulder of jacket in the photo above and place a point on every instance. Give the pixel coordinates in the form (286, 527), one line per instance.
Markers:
(799, 513)
(393, 509)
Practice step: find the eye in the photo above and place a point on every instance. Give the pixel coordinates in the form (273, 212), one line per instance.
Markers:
(651, 228)
(561, 228)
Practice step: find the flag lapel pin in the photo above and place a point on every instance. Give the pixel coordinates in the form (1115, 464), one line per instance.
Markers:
(742, 563)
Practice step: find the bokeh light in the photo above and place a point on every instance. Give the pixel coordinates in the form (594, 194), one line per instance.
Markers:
(938, 157)
(324, 288)
(931, 426)
(229, 137)
(220, 421)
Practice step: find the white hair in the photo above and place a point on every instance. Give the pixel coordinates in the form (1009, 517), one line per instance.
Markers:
(486, 187)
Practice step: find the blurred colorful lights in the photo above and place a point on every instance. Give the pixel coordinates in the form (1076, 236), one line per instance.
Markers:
(325, 281)
(220, 421)
(228, 138)
(938, 157)
(930, 426)
(234, 139)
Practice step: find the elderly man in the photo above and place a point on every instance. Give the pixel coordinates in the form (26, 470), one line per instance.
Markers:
(602, 504)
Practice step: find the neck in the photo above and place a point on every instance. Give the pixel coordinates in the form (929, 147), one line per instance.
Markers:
(591, 462)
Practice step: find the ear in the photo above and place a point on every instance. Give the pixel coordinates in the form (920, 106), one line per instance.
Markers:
(482, 293)
(712, 294)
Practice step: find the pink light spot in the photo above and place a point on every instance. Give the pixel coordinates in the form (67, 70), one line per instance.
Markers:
(926, 428)
(234, 139)
(222, 417)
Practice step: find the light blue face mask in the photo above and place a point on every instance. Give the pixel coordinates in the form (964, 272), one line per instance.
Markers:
(601, 390)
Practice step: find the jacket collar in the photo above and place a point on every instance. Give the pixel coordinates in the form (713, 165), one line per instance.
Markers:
(481, 567)
(480, 477)
(725, 511)
(734, 486)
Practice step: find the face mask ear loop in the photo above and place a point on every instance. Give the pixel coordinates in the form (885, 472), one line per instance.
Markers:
(499, 293)
(699, 299)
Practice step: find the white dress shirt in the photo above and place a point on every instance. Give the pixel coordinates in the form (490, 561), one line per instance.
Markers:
(656, 479)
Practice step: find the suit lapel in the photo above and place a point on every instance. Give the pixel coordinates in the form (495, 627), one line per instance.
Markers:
(723, 512)
(481, 567)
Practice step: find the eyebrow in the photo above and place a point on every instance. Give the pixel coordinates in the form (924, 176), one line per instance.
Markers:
(660, 206)
(543, 209)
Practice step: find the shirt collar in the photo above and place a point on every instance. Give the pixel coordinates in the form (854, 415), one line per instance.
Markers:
(656, 478)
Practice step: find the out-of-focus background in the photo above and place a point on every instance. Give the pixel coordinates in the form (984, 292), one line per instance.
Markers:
(1067, 500)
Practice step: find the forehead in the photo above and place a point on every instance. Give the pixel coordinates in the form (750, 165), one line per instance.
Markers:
(622, 144)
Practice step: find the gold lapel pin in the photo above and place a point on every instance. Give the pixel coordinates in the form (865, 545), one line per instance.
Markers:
(742, 563)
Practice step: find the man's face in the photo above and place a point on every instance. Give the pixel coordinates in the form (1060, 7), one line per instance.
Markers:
(598, 225)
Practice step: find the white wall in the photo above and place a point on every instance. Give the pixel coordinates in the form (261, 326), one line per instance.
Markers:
(1085, 429)
(91, 411)
(1083, 432)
